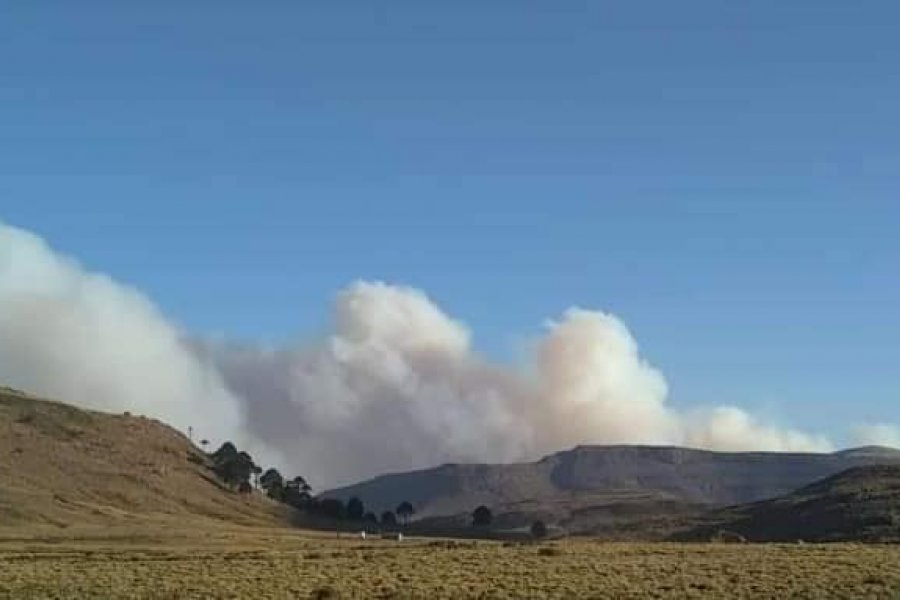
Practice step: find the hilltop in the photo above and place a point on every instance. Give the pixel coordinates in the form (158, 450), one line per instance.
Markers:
(61, 465)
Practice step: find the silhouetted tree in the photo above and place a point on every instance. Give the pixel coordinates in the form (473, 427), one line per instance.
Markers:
(232, 466)
(276, 492)
(271, 477)
(332, 508)
(273, 483)
(225, 452)
(370, 518)
(355, 509)
(388, 519)
(256, 471)
(538, 529)
(204, 443)
(241, 468)
(404, 511)
(301, 484)
(482, 516)
(245, 488)
(296, 493)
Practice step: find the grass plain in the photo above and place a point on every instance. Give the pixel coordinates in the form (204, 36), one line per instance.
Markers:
(168, 560)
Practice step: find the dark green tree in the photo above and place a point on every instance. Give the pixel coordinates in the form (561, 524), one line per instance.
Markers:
(405, 511)
(301, 484)
(370, 518)
(538, 529)
(232, 466)
(296, 493)
(482, 516)
(332, 508)
(388, 519)
(271, 477)
(355, 509)
(239, 469)
(226, 451)
(273, 483)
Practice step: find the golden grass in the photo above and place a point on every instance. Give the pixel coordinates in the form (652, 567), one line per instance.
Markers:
(278, 563)
(61, 465)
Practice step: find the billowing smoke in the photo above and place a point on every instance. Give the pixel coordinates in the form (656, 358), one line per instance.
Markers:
(69, 334)
(395, 385)
(398, 386)
(877, 434)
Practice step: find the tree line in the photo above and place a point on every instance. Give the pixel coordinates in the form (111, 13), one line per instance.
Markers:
(237, 469)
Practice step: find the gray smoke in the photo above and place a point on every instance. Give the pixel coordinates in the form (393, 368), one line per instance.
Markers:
(78, 336)
(395, 385)
(398, 386)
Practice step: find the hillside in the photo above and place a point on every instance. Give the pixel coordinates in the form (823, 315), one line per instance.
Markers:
(575, 483)
(60, 465)
(861, 503)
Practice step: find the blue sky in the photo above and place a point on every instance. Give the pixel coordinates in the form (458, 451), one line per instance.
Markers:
(723, 176)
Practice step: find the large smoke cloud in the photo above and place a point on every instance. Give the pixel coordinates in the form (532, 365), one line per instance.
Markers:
(396, 384)
(69, 334)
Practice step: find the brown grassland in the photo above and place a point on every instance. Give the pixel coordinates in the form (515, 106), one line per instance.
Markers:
(172, 560)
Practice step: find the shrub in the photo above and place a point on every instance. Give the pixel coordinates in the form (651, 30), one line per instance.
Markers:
(325, 593)
(538, 529)
(482, 516)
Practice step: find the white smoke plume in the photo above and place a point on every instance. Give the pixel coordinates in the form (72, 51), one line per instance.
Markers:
(877, 434)
(396, 385)
(732, 429)
(69, 334)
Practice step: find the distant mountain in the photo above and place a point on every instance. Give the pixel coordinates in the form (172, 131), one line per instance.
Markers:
(861, 503)
(589, 476)
(62, 466)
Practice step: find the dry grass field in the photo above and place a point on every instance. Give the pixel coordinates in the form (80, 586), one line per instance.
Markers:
(166, 561)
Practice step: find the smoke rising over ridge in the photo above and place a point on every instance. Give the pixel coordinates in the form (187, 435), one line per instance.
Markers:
(82, 337)
(395, 385)
(877, 434)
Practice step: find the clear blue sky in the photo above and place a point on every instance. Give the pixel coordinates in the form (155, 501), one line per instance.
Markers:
(722, 175)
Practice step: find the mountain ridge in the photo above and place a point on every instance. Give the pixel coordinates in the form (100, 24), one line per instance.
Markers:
(696, 476)
(61, 465)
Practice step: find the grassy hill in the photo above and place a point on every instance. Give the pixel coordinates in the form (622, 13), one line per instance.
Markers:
(60, 465)
(861, 504)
